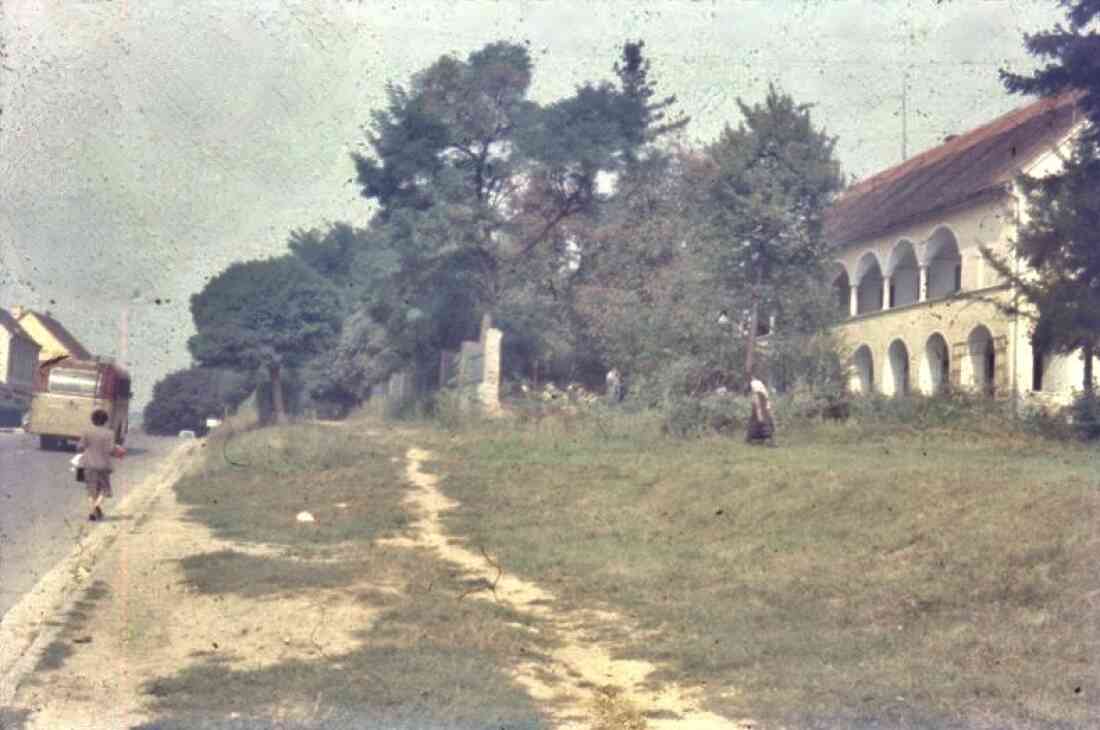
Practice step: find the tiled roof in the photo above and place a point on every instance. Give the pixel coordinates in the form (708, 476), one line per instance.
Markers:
(966, 167)
(62, 335)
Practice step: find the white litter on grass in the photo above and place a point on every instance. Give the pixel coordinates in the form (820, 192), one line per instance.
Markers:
(342, 505)
(305, 517)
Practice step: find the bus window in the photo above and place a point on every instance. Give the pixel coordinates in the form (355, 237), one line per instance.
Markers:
(72, 382)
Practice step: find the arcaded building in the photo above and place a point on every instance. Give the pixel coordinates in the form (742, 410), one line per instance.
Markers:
(918, 296)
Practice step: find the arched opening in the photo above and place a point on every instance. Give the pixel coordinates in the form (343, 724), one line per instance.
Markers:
(944, 264)
(904, 273)
(983, 361)
(936, 368)
(898, 358)
(863, 372)
(842, 292)
(869, 286)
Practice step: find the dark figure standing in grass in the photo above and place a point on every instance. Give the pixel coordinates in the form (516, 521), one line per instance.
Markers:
(97, 445)
(761, 426)
(614, 385)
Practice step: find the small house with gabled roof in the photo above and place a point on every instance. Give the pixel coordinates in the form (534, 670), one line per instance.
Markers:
(18, 360)
(52, 337)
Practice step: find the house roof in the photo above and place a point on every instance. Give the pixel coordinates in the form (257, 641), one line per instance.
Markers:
(965, 168)
(9, 323)
(59, 333)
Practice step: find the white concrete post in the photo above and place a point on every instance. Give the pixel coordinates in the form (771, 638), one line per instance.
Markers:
(923, 284)
(886, 292)
(853, 300)
(489, 389)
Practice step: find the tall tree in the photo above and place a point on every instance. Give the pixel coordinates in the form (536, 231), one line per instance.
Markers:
(271, 314)
(650, 121)
(774, 177)
(1059, 240)
(643, 292)
(1060, 243)
(475, 178)
(1073, 59)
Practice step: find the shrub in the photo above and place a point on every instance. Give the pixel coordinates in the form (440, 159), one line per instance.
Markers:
(686, 417)
(183, 400)
(1085, 414)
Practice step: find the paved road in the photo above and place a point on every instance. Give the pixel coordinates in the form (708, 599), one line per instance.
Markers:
(43, 510)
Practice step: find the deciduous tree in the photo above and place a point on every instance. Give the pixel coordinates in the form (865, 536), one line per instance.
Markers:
(272, 314)
(775, 174)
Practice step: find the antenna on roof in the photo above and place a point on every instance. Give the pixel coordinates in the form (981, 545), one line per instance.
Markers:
(904, 115)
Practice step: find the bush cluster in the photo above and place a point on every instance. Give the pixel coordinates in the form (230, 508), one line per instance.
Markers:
(686, 417)
(184, 399)
(1085, 416)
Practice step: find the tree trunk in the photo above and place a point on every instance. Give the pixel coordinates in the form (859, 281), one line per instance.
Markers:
(754, 319)
(277, 403)
(1088, 353)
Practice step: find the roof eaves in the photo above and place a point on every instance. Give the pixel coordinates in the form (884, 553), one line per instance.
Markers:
(989, 192)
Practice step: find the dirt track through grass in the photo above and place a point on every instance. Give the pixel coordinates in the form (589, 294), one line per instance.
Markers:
(583, 681)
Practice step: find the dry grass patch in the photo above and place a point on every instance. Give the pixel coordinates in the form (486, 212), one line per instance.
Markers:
(326, 625)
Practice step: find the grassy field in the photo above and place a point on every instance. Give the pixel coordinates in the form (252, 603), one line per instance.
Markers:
(429, 660)
(852, 577)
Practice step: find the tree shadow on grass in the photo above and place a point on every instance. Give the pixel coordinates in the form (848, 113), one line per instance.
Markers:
(250, 576)
(434, 657)
(13, 719)
(75, 624)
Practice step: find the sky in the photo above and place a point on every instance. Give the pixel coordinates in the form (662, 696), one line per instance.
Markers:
(145, 146)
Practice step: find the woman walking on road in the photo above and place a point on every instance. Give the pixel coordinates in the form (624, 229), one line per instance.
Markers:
(97, 446)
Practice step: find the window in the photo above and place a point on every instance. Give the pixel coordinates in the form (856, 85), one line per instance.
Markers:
(958, 277)
(72, 382)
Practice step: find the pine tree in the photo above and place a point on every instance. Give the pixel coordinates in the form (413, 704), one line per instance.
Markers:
(1060, 243)
(1073, 55)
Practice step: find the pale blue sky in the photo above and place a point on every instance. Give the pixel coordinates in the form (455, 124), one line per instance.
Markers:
(146, 145)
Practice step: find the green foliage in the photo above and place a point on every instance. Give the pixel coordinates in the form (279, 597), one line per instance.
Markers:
(648, 123)
(184, 399)
(918, 412)
(774, 177)
(1060, 244)
(688, 417)
(1073, 60)
(644, 294)
(1085, 412)
(474, 178)
(271, 313)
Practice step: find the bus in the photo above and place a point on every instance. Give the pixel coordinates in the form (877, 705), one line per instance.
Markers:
(66, 393)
